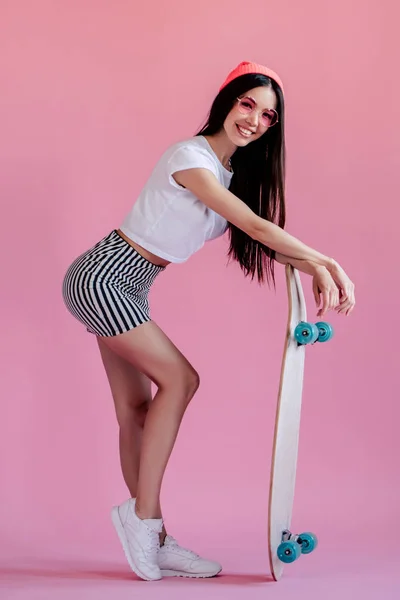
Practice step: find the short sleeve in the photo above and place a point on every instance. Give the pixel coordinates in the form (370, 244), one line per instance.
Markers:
(189, 157)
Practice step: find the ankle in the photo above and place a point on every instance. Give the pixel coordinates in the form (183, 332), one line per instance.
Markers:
(147, 513)
(163, 535)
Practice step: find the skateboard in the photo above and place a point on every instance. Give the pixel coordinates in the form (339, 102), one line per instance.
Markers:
(284, 546)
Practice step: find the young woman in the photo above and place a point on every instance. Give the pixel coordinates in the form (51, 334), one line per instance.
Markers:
(230, 176)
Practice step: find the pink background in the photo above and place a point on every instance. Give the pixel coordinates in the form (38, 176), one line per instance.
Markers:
(91, 94)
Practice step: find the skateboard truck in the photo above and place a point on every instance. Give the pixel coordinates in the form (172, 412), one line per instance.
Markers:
(293, 545)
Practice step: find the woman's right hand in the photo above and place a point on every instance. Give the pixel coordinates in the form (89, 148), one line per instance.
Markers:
(325, 290)
(346, 288)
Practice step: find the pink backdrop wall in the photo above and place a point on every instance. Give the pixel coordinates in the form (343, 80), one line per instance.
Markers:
(92, 93)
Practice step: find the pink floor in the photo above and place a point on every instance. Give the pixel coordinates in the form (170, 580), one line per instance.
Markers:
(348, 569)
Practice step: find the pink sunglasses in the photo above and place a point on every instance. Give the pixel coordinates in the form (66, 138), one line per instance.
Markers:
(247, 105)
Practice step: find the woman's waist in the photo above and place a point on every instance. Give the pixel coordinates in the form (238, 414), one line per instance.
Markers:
(152, 258)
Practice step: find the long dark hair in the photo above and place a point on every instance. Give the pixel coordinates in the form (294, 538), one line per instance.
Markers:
(259, 175)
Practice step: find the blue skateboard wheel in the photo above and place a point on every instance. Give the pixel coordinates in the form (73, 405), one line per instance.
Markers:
(288, 552)
(306, 333)
(325, 331)
(308, 542)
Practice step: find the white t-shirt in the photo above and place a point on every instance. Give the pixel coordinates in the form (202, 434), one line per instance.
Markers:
(167, 219)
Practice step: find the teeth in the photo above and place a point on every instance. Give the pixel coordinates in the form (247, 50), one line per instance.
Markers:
(245, 131)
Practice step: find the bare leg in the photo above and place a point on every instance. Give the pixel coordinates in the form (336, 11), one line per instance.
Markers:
(151, 352)
(131, 391)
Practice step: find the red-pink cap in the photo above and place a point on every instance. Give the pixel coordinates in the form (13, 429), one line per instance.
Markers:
(245, 68)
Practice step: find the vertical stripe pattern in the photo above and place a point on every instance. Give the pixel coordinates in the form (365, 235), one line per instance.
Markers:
(107, 287)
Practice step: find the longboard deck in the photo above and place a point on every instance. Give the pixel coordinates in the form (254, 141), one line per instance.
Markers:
(287, 425)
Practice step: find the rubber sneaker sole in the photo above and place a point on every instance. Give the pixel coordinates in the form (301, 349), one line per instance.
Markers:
(169, 573)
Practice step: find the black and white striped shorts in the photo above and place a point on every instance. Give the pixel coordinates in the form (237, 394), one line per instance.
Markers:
(107, 287)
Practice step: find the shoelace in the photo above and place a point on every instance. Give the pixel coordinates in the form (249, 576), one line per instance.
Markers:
(153, 544)
(189, 553)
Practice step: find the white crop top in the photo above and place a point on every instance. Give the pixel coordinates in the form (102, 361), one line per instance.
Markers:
(167, 219)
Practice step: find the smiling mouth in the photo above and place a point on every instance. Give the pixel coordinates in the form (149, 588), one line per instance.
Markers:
(246, 133)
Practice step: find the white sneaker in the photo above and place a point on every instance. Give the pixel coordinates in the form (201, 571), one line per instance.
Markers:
(175, 561)
(139, 538)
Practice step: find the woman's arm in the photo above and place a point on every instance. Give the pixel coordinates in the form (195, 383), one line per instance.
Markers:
(206, 187)
(305, 266)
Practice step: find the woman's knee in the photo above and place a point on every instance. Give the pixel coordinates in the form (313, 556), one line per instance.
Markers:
(181, 378)
(154, 355)
(132, 414)
(192, 382)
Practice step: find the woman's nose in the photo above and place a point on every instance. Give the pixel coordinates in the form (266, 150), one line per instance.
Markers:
(253, 118)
